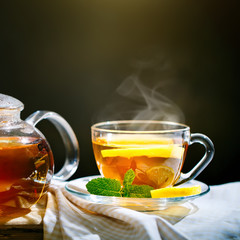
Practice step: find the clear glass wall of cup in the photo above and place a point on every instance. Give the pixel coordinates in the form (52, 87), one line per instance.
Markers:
(155, 150)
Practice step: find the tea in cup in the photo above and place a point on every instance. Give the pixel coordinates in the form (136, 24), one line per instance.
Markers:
(154, 150)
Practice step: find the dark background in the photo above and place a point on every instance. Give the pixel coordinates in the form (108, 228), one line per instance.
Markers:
(71, 56)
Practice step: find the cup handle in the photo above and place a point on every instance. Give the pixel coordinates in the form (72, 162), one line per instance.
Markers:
(69, 140)
(202, 164)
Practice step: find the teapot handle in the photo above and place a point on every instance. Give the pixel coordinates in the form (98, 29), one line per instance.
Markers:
(69, 140)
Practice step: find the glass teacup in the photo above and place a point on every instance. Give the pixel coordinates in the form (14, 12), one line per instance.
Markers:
(154, 150)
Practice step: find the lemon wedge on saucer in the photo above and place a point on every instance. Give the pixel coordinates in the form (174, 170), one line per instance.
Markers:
(171, 192)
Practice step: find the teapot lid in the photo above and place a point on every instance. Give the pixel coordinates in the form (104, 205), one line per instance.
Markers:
(10, 103)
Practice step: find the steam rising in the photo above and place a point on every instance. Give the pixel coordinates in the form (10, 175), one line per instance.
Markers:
(138, 102)
(151, 104)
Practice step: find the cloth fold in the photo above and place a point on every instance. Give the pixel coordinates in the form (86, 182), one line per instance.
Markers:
(218, 215)
(69, 217)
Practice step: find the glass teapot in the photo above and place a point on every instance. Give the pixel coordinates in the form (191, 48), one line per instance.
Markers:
(26, 159)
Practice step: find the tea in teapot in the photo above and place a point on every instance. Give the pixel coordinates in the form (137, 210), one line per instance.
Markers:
(26, 159)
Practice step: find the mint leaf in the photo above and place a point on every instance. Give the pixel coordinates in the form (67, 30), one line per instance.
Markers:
(140, 191)
(104, 187)
(128, 177)
(127, 181)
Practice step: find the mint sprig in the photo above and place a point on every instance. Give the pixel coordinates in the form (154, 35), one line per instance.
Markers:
(112, 187)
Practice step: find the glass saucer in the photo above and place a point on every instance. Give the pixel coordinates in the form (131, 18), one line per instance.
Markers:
(78, 188)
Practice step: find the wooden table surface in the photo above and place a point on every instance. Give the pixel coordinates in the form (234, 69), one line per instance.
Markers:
(25, 224)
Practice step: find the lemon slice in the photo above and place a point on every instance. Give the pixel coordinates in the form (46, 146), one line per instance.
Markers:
(171, 192)
(164, 151)
(162, 176)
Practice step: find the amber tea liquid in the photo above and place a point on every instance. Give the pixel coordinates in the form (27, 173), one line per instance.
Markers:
(25, 165)
(156, 162)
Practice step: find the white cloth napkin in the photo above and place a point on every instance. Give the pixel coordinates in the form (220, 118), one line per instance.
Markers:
(213, 216)
(69, 217)
(218, 215)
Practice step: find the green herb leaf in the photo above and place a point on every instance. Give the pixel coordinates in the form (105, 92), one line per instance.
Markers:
(112, 187)
(140, 191)
(127, 181)
(128, 177)
(104, 187)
